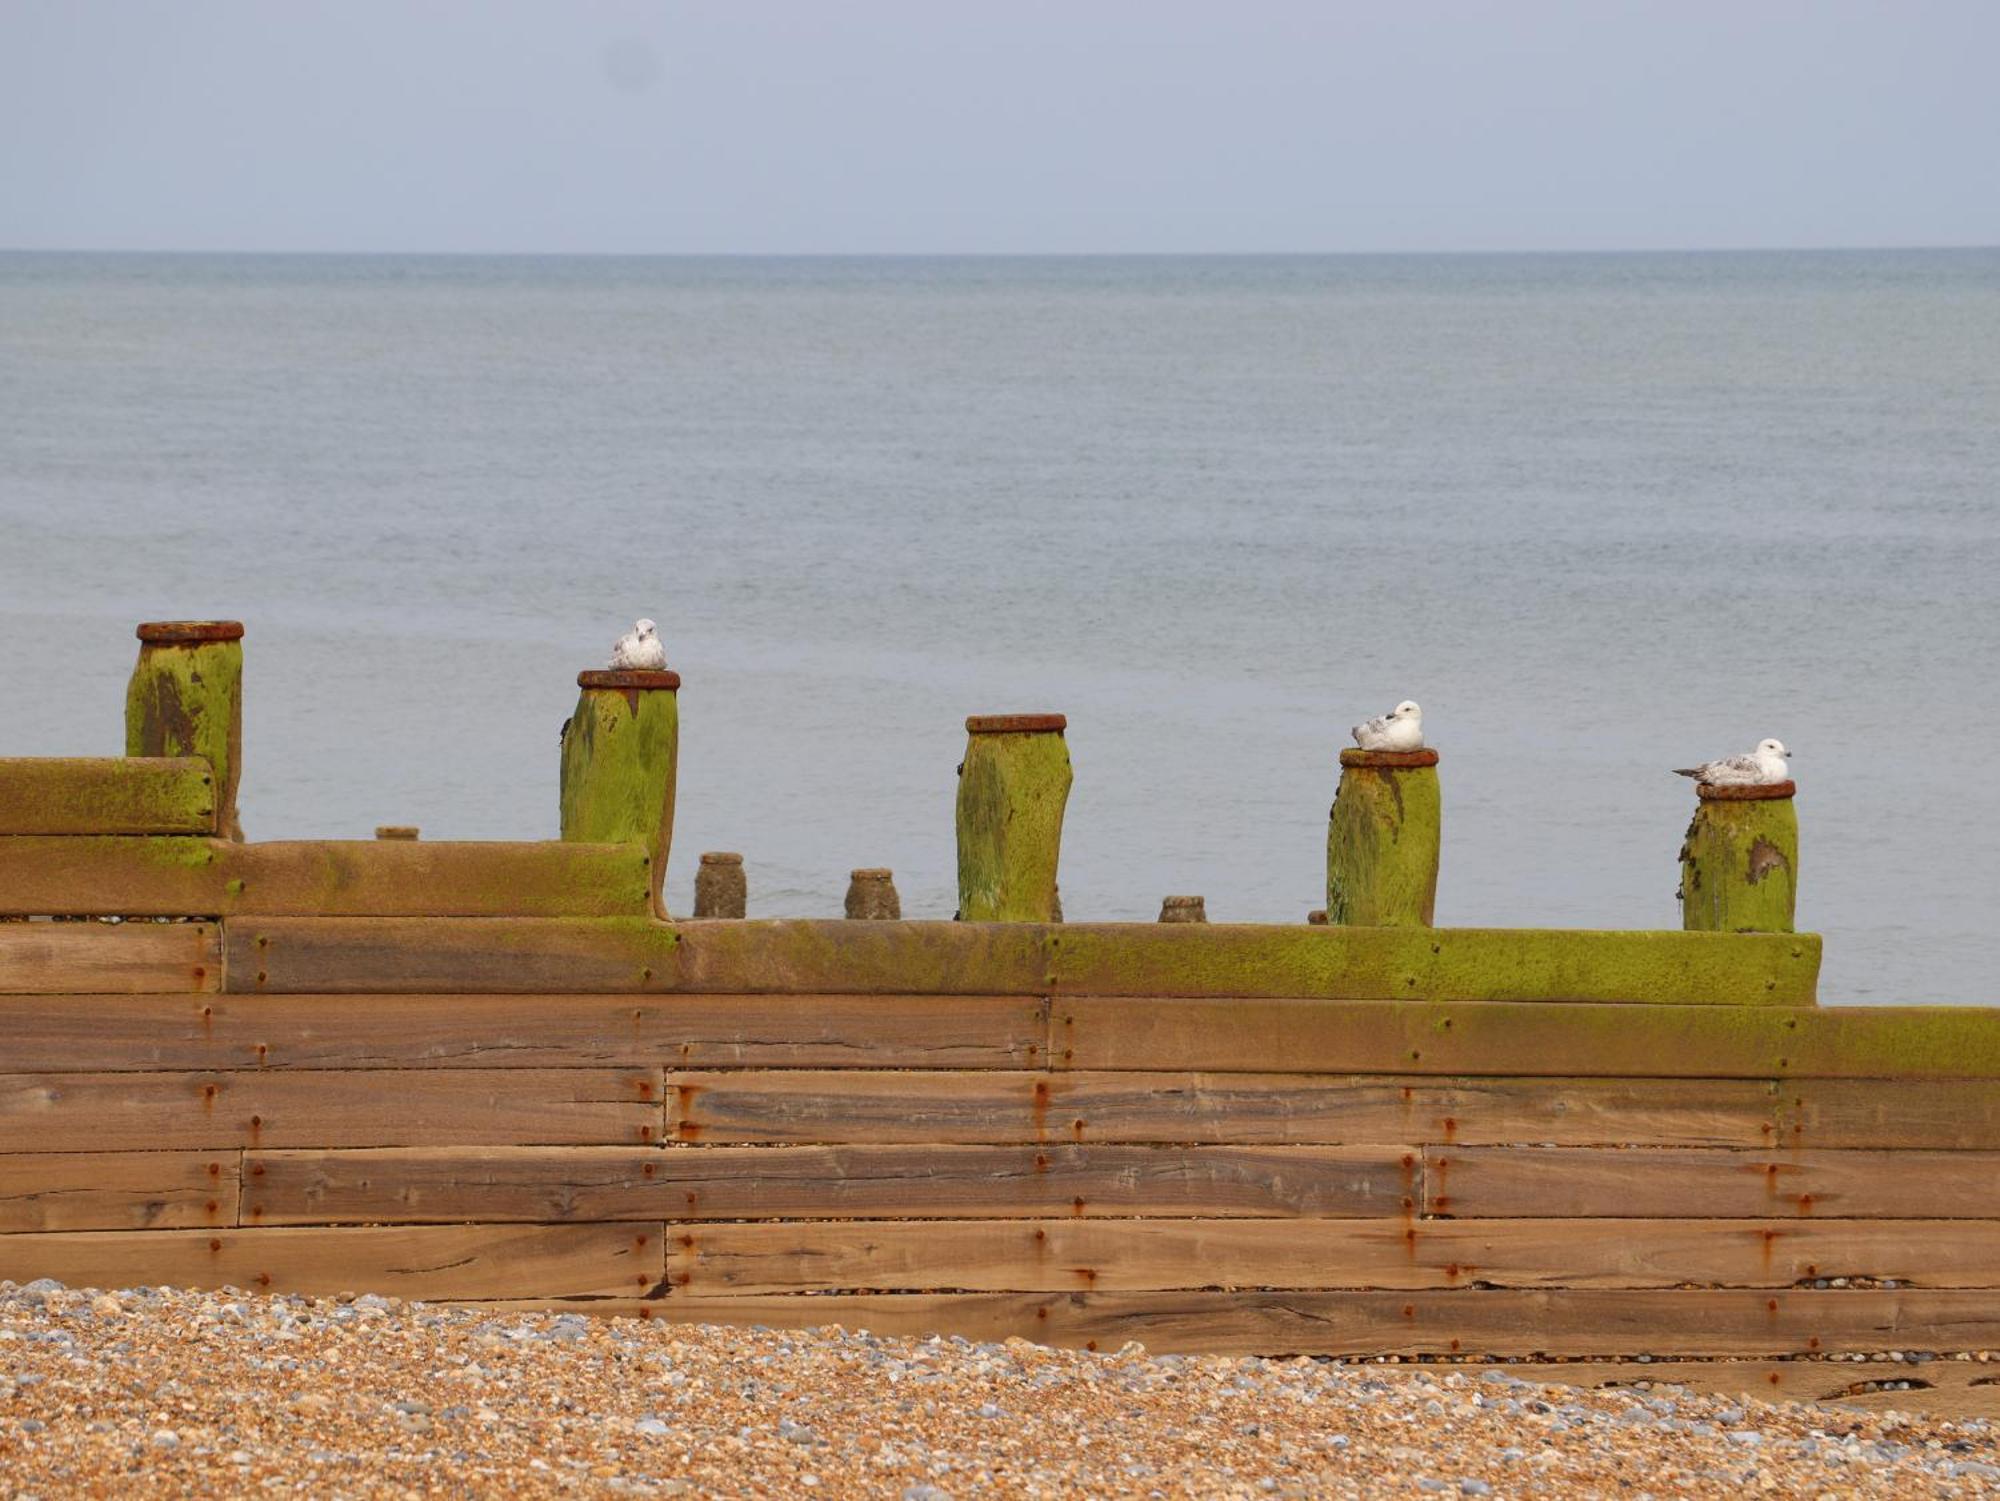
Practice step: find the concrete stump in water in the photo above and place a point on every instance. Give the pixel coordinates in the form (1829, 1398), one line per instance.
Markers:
(1382, 840)
(397, 831)
(720, 887)
(1740, 861)
(186, 699)
(620, 752)
(871, 895)
(1183, 909)
(1012, 788)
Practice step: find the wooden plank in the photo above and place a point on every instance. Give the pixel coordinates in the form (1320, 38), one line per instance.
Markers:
(1941, 1388)
(618, 956)
(1774, 971)
(106, 795)
(1670, 1182)
(138, 1112)
(1948, 1114)
(1436, 964)
(1159, 1255)
(117, 1190)
(1246, 1109)
(156, 875)
(1569, 1321)
(96, 1034)
(711, 1183)
(1499, 1037)
(445, 1261)
(56, 966)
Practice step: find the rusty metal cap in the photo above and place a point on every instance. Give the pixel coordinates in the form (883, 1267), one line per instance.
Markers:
(1356, 757)
(1016, 724)
(605, 677)
(1745, 794)
(186, 632)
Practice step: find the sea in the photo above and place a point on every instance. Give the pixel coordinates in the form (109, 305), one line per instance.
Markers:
(1602, 515)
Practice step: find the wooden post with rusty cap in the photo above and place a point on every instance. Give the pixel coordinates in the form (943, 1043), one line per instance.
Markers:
(1740, 861)
(1012, 788)
(620, 753)
(1382, 840)
(186, 699)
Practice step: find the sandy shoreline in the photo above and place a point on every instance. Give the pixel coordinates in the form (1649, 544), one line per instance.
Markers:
(201, 1393)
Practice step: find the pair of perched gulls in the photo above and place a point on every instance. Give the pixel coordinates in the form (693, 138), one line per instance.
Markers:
(1402, 729)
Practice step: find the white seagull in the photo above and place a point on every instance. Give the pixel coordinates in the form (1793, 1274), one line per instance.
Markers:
(639, 650)
(1761, 768)
(1401, 729)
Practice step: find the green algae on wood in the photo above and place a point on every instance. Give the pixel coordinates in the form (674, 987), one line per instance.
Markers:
(1012, 788)
(620, 754)
(1382, 840)
(1740, 861)
(186, 699)
(106, 795)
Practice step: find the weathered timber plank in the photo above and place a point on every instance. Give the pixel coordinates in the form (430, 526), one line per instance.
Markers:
(46, 964)
(445, 1261)
(1570, 1321)
(1754, 971)
(117, 1190)
(158, 875)
(94, 1034)
(1937, 1113)
(106, 795)
(1161, 1255)
(1246, 1109)
(1440, 964)
(711, 1183)
(1943, 1388)
(1670, 1182)
(138, 1112)
(1496, 1037)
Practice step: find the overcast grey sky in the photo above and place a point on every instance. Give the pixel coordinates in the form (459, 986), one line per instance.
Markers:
(1012, 125)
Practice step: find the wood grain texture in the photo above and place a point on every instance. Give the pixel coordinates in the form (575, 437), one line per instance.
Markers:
(446, 1261)
(1246, 1109)
(708, 1183)
(156, 875)
(1576, 1321)
(1949, 1114)
(117, 1190)
(1907, 1043)
(62, 967)
(103, 1033)
(1153, 1255)
(1670, 1182)
(140, 1112)
(106, 795)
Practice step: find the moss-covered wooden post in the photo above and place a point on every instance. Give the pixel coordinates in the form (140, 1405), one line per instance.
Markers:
(1012, 788)
(1382, 840)
(186, 699)
(620, 751)
(1740, 861)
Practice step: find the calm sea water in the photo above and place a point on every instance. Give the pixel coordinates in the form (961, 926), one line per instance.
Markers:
(1602, 515)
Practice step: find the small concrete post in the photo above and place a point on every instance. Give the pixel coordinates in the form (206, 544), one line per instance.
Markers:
(871, 895)
(186, 699)
(1316, 918)
(720, 887)
(1382, 840)
(397, 831)
(1012, 788)
(1183, 909)
(1740, 861)
(620, 752)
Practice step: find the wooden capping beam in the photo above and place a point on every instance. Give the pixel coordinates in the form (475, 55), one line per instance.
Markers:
(106, 795)
(1706, 970)
(46, 963)
(164, 876)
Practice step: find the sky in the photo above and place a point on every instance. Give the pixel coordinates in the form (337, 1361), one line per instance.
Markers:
(935, 126)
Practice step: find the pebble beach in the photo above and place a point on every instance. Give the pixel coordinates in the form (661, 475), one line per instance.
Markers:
(161, 1392)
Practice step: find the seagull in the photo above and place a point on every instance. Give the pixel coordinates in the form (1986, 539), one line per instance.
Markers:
(639, 650)
(1401, 729)
(1762, 767)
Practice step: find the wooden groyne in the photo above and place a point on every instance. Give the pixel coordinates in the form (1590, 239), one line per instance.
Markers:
(495, 1073)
